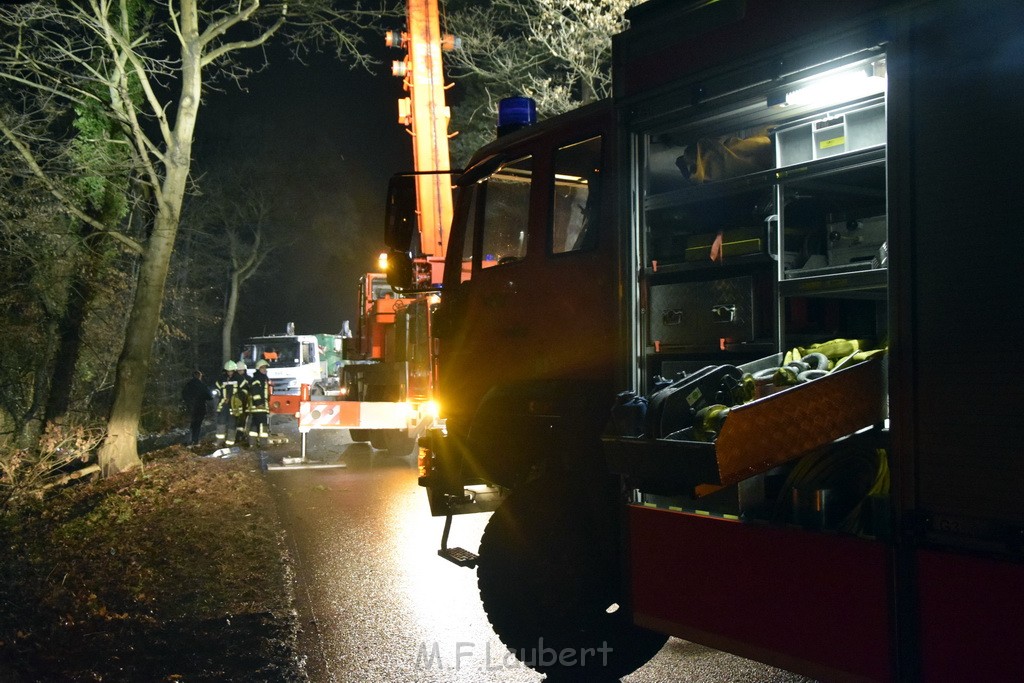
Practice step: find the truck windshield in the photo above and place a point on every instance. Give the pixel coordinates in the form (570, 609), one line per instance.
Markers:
(379, 287)
(277, 352)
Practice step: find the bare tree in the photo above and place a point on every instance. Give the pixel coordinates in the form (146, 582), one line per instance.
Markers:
(246, 258)
(145, 64)
(244, 220)
(555, 51)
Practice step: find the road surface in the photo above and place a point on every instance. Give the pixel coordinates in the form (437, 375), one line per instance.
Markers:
(375, 601)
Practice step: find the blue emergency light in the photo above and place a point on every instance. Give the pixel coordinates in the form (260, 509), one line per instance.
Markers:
(515, 113)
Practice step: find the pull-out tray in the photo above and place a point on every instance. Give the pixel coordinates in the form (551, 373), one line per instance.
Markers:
(761, 434)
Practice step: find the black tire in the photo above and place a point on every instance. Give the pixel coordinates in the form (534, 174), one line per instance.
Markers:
(399, 443)
(549, 576)
(378, 439)
(396, 442)
(359, 434)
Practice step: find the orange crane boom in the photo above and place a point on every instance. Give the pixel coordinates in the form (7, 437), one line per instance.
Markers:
(425, 115)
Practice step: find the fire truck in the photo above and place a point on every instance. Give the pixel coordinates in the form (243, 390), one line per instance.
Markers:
(388, 375)
(629, 288)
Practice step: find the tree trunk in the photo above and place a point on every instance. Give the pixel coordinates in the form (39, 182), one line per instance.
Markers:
(31, 426)
(120, 448)
(70, 330)
(119, 451)
(230, 312)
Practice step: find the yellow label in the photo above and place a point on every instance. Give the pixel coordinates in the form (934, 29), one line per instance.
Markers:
(834, 142)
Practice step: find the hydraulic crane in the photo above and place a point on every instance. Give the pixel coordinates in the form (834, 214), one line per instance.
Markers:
(425, 115)
(387, 382)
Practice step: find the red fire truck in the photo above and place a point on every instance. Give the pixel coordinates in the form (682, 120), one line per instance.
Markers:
(630, 290)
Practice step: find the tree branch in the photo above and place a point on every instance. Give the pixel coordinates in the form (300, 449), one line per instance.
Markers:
(213, 55)
(123, 49)
(223, 25)
(65, 201)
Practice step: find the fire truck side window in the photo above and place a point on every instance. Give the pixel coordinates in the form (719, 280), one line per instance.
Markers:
(575, 205)
(506, 198)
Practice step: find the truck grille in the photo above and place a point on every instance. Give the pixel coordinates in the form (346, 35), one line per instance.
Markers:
(280, 386)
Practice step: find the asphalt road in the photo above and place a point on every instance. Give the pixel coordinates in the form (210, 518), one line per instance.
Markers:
(377, 603)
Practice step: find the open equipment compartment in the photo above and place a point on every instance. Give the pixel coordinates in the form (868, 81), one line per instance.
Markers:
(759, 435)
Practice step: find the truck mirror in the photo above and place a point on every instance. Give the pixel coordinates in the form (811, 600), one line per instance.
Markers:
(400, 213)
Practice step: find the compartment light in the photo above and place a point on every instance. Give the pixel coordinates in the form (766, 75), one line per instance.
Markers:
(835, 87)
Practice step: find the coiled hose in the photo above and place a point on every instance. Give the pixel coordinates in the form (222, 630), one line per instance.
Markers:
(856, 471)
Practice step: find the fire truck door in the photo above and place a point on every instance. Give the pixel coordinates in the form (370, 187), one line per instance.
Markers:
(538, 303)
(486, 307)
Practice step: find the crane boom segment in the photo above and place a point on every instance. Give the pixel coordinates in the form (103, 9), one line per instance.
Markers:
(427, 118)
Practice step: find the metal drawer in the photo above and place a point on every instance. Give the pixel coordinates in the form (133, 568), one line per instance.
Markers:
(701, 314)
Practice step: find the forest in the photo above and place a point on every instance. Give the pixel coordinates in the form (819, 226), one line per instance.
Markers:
(123, 264)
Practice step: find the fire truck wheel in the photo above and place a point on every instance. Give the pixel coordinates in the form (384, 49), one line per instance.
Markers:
(396, 442)
(549, 579)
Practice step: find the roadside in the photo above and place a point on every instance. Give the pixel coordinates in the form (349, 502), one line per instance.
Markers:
(175, 571)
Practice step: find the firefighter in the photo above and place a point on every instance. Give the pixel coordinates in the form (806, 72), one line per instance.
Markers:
(259, 410)
(241, 407)
(227, 389)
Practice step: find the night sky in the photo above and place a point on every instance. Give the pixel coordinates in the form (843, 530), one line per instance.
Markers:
(321, 140)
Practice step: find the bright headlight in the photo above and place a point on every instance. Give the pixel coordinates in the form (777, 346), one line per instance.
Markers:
(432, 408)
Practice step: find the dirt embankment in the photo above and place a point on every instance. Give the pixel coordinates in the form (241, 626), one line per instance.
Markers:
(174, 571)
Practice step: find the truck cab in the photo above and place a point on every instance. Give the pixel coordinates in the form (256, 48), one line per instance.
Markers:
(773, 179)
(295, 360)
(528, 317)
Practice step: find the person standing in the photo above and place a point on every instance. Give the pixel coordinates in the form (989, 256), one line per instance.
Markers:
(242, 405)
(227, 388)
(259, 410)
(195, 394)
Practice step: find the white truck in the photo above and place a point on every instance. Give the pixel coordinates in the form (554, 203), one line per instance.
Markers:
(297, 359)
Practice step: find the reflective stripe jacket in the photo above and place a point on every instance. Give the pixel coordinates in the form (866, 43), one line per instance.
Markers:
(259, 392)
(239, 407)
(227, 387)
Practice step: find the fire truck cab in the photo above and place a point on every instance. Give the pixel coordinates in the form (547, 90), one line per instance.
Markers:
(772, 180)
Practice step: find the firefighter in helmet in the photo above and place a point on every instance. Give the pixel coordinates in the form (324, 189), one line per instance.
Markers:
(227, 389)
(259, 410)
(241, 408)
